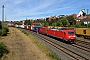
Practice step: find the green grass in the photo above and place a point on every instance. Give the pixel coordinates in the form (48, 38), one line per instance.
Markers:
(3, 49)
(52, 55)
(3, 57)
(3, 32)
(24, 32)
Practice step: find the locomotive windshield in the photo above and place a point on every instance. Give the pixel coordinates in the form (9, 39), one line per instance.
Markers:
(70, 32)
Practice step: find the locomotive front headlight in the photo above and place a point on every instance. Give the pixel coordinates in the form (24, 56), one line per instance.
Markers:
(69, 36)
(74, 36)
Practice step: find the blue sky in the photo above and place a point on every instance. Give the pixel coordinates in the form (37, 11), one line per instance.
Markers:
(32, 9)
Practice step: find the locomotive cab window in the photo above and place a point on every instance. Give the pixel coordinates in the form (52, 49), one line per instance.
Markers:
(70, 32)
(84, 31)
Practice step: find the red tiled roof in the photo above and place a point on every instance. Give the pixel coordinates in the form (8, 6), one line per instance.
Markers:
(74, 15)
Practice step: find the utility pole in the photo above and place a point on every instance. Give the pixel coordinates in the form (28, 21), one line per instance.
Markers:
(2, 19)
(87, 18)
(5, 18)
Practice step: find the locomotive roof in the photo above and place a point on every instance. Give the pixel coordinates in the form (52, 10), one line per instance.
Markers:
(63, 28)
(66, 28)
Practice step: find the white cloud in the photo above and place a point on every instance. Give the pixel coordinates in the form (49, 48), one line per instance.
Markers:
(2, 1)
(33, 11)
(43, 4)
(18, 1)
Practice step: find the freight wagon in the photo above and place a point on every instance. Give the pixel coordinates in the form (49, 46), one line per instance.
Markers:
(22, 26)
(29, 27)
(18, 26)
(25, 27)
(85, 32)
(36, 28)
(44, 30)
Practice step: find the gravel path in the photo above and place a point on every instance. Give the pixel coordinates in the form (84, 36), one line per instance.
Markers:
(21, 47)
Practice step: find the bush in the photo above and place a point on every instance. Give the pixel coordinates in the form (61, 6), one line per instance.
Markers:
(5, 30)
(54, 56)
(25, 32)
(0, 32)
(3, 49)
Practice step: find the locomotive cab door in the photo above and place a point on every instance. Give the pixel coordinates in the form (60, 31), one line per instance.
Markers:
(64, 36)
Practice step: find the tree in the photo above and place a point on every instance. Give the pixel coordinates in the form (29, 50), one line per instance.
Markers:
(81, 23)
(64, 21)
(50, 22)
(46, 23)
(61, 24)
(68, 24)
(42, 22)
(53, 24)
(77, 25)
(58, 23)
(27, 22)
(71, 20)
(89, 25)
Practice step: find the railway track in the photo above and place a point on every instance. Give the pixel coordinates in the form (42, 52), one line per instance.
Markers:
(81, 47)
(70, 53)
(84, 45)
(83, 42)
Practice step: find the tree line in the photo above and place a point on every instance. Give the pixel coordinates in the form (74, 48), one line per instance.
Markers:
(68, 21)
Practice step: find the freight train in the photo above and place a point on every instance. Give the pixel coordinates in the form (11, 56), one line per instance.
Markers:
(65, 34)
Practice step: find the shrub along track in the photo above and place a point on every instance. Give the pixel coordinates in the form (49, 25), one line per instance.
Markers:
(68, 51)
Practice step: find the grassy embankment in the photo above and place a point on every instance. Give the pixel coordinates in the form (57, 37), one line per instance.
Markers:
(3, 47)
(50, 54)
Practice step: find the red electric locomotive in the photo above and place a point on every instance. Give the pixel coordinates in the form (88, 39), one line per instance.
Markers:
(67, 34)
(63, 33)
